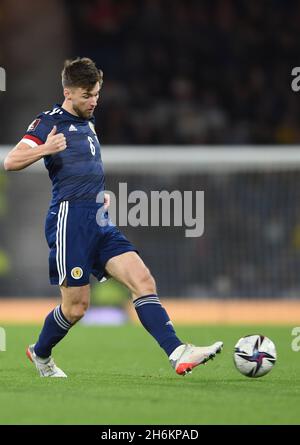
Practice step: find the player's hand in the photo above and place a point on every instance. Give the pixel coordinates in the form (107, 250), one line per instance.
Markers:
(55, 142)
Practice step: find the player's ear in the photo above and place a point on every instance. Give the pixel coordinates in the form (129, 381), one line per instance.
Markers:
(67, 93)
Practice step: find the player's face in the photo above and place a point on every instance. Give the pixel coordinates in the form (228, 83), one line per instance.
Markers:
(84, 102)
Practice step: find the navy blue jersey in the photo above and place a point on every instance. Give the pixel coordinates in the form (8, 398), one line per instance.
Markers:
(77, 172)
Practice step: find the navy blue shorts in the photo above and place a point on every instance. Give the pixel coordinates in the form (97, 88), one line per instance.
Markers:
(79, 245)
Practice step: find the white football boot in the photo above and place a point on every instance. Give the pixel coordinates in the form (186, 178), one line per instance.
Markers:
(186, 357)
(46, 367)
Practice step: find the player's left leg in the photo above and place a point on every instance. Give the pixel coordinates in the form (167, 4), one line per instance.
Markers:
(129, 269)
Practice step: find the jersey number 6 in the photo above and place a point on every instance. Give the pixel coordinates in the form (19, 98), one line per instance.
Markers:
(92, 146)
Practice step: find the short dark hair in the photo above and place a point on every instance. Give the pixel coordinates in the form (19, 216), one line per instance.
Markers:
(81, 72)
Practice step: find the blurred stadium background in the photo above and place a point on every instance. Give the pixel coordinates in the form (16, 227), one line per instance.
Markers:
(211, 78)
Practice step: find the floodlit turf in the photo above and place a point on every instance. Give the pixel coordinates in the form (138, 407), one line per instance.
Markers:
(118, 375)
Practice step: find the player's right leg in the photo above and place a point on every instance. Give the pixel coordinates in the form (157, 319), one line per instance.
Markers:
(68, 235)
(75, 301)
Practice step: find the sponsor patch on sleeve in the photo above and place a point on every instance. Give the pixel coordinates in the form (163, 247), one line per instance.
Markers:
(33, 125)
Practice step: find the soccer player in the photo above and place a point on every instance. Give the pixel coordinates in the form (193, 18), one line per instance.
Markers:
(65, 138)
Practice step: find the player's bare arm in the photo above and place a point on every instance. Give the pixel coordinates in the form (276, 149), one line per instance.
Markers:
(23, 155)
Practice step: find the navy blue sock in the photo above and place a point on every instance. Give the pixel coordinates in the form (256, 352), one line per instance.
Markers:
(155, 319)
(55, 328)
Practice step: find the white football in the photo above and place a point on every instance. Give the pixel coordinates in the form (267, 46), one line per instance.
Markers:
(254, 355)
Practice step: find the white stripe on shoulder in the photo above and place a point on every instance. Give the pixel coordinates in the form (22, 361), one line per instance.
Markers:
(29, 142)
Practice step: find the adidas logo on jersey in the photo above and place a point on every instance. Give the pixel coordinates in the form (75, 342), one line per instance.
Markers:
(72, 128)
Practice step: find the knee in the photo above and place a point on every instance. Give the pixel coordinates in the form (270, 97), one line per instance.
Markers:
(145, 284)
(76, 311)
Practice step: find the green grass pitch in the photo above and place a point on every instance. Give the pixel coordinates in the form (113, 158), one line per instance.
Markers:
(119, 375)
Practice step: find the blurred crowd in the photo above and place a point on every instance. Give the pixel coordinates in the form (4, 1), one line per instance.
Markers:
(251, 242)
(250, 246)
(192, 72)
(175, 72)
